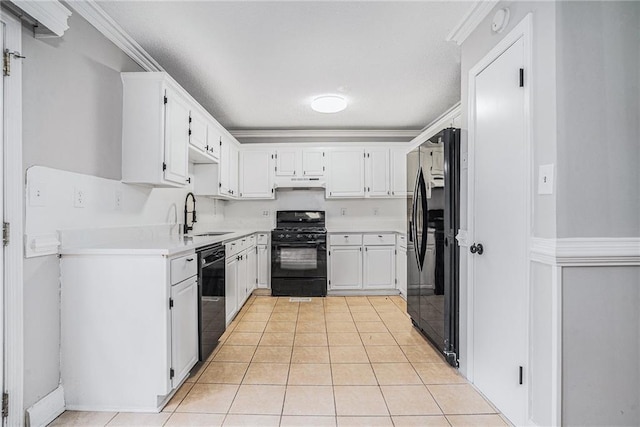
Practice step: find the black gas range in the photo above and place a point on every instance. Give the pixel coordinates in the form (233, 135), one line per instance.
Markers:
(299, 254)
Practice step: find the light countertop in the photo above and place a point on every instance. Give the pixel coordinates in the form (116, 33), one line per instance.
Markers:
(158, 244)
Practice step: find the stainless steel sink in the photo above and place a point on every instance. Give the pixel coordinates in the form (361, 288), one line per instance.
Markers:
(214, 233)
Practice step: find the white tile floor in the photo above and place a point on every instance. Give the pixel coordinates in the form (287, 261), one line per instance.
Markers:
(335, 361)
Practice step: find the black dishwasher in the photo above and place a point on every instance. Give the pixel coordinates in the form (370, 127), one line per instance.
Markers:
(211, 305)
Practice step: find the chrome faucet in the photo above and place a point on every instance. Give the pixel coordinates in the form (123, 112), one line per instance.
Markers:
(188, 228)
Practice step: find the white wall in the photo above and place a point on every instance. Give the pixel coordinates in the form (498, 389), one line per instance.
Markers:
(359, 212)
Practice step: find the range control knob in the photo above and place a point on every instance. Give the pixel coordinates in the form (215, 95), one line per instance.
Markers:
(281, 235)
(299, 236)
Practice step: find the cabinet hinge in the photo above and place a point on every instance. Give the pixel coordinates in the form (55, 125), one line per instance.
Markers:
(272, 191)
(5, 405)
(165, 99)
(5, 233)
(276, 155)
(329, 253)
(171, 373)
(323, 169)
(329, 281)
(323, 154)
(364, 155)
(520, 375)
(395, 252)
(276, 169)
(170, 303)
(219, 185)
(189, 132)
(164, 166)
(396, 281)
(521, 85)
(189, 119)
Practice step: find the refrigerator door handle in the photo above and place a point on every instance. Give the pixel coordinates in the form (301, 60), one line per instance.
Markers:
(414, 227)
(425, 219)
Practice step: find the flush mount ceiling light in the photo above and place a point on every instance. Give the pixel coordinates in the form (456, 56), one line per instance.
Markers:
(329, 104)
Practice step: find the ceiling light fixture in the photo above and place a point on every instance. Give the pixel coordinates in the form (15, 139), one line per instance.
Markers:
(329, 104)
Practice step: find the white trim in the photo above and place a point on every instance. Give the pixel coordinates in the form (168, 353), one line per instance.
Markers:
(46, 409)
(50, 14)
(320, 135)
(13, 201)
(586, 251)
(445, 120)
(523, 30)
(556, 346)
(97, 17)
(471, 20)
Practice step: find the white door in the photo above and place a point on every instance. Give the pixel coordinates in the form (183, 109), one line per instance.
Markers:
(263, 266)
(2, 275)
(286, 162)
(378, 173)
(345, 267)
(176, 138)
(346, 173)
(184, 329)
(379, 267)
(312, 162)
(255, 175)
(500, 225)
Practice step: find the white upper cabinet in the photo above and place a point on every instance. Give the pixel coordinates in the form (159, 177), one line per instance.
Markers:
(299, 162)
(255, 175)
(214, 139)
(313, 162)
(398, 172)
(155, 130)
(345, 172)
(286, 162)
(377, 172)
(199, 149)
(219, 180)
(176, 141)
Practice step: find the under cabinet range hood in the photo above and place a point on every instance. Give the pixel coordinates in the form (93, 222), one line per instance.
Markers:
(299, 184)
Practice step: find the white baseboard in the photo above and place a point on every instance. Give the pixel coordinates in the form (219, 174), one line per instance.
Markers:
(46, 409)
(586, 252)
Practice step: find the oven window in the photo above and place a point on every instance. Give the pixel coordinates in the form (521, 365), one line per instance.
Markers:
(298, 258)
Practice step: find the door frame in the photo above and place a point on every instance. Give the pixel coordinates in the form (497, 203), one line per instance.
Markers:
(523, 30)
(13, 214)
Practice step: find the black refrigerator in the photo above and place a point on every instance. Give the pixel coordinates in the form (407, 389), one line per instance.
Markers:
(433, 219)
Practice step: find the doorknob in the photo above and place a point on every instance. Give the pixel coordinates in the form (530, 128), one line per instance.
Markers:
(477, 248)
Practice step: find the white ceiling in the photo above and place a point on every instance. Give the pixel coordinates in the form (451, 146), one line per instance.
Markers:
(257, 65)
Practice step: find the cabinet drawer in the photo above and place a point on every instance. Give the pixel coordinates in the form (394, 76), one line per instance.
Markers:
(263, 238)
(345, 239)
(251, 241)
(380, 239)
(183, 267)
(233, 248)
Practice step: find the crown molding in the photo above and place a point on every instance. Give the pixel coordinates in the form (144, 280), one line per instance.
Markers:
(471, 20)
(97, 17)
(50, 14)
(585, 252)
(444, 121)
(322, 135)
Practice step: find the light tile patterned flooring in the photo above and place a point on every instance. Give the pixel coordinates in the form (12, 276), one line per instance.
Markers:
(335, 361)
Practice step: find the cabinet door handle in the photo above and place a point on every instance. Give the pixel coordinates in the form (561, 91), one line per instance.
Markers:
(189, 259)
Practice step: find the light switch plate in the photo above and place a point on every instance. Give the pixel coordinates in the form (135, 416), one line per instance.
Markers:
(545, 179)
(79, 197)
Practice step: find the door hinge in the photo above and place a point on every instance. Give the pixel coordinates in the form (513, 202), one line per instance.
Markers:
(165, 99)
(521, 77)
(171, 373)
(5, 233)
(5, 405)
(520, 375)
(170, 303)
(164, 166)
(6, 63)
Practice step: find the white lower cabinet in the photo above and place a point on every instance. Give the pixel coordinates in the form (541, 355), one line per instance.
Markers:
(184, 329)
(401, 270)
(241, 273)
(345, 267)
(264, 263)
(379, 267)
(362, 261)
(231, 287)
(128, 329)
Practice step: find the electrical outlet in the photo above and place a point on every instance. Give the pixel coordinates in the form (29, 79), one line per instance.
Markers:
(79, 197)
(37, 194)
(376, 211)
(343, 211)
(118, 200)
